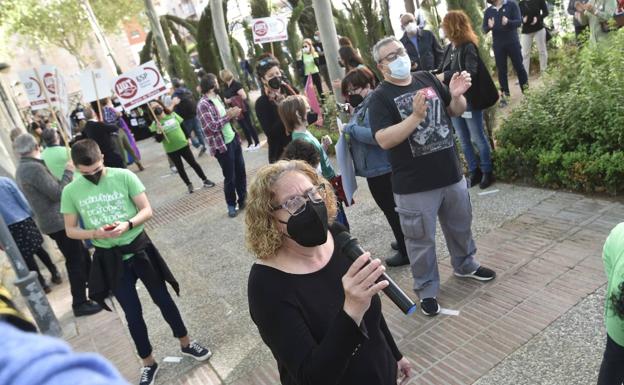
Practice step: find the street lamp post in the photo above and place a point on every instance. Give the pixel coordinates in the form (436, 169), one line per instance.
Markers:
(29, 286)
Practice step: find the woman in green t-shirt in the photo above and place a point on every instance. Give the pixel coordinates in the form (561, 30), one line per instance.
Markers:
(169, 132)
(309, 65)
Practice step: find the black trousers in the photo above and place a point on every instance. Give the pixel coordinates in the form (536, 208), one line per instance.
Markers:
(248, 129)
(44, 257)
(176, 158)
(128, 298)
(233, 167)
(612, 367)
(381, 189)
(78, 264)
(316, 79)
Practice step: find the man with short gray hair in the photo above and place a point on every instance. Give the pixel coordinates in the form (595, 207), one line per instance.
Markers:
(43, 192)
(410, 117)
(422, 46)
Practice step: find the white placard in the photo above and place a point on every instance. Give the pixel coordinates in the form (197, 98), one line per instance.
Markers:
(269, 29)
(102, 84)
(346, 166)
(34, 88)
(139, 85)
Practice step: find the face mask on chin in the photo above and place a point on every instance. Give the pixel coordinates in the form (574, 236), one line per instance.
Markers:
(400, 67)
(95, 177)
(309, 228)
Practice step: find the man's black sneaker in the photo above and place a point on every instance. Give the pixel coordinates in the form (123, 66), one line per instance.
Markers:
(475, 177)
(394, 245)
(197, 351)
(487, 180)
(397, 259)
(148, 374)
(208, 183)
(86, 308)
(481, 274)
(429, 306)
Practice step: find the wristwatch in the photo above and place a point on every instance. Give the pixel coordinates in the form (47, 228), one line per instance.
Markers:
(130, 224)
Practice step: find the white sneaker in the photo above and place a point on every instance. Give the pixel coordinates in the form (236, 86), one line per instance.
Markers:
(173, 169)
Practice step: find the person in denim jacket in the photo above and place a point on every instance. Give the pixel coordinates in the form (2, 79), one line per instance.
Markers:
(370, 160)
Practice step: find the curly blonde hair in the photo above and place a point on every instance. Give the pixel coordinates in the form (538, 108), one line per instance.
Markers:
(263, 236)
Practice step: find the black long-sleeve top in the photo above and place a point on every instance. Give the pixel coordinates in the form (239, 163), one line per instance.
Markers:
(531, 9)
(301, 319)
(464, 57)
(273, 128)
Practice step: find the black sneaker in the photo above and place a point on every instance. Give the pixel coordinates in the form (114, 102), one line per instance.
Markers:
(241, 206)
(197, 351)
(397, 259)
(481, 274)
(208, 183)
(394, 245)
(86, 308)
(148, 374)
(487, 180)
(475, 177)
(429, 306)
(190, 188)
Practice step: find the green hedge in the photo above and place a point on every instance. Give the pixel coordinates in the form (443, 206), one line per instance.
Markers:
(570, 132)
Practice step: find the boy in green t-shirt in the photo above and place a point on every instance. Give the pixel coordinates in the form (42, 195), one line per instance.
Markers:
(114, 207)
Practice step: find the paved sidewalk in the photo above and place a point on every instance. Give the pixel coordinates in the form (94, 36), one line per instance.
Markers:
(545, 246)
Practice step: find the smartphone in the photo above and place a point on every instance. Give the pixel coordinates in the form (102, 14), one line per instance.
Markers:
(343, 107)
(109, 227)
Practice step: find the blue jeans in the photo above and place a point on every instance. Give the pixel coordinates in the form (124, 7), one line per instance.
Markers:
(192, 125)
(514, 52)
(469, 131)
(233, 167)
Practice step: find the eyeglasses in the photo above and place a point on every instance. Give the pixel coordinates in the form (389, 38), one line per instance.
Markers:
(296, 205)
(394, 55)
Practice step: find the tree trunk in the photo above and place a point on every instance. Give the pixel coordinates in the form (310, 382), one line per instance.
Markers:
(325, 21)
(221, 34)
(157, 33)
(409, 6)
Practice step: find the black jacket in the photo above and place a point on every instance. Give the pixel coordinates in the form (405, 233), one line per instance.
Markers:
(531, 9)
(428, 56)
(105, 135)
(107, 267)
(273, 128)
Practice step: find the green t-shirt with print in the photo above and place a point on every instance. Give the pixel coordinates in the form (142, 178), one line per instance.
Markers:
(326, 167)
(107, 202)
(175, 138)
(613, 258)
(55, 159)
(227, 130)
(309, 66)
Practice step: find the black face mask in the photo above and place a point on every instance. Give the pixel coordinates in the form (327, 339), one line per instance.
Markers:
(311, 117)
(158, 111)
(355, 100)
(275, 83)
(309, 228)
(95, 177)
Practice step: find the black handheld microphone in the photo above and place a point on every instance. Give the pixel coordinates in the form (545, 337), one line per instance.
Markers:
(350, 247)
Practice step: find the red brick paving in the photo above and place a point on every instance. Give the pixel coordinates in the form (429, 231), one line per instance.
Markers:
(547, 260)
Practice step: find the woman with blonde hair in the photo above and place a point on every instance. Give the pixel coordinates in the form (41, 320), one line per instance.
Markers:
(234, 95)
(308, 65)
(318, 313)
(463, 55)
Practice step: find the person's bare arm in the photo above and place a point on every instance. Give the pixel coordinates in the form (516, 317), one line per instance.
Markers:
(392, 136)
(242, 94)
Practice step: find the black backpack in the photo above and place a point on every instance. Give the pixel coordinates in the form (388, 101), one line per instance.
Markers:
(483, 94)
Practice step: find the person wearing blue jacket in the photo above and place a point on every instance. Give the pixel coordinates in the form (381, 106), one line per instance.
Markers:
(503, 18)
(370, 160)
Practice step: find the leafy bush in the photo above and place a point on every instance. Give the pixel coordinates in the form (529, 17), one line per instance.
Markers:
(570, 132)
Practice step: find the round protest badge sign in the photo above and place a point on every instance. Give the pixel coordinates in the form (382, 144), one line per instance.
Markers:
(126, 88)
(260, 28)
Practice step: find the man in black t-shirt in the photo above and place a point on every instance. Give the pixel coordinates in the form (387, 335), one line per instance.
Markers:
(410, 117)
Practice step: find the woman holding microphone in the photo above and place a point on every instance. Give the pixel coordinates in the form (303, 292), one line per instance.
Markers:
(318, 313)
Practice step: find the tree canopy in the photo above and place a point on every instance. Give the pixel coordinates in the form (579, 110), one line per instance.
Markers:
(63, 23)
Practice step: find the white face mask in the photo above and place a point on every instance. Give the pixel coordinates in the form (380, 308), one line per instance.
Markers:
(306, 49)
(411, 28)
(400, 67)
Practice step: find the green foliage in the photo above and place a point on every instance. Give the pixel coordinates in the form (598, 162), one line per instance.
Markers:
(207, 49)
(62, 23)
(568, 134)
(182, 68)
(294, 40)
(367, 26)
(330, 125)
(146, 52)
(307, 19)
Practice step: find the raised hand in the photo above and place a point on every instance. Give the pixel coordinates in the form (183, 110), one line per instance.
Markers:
(460, 83)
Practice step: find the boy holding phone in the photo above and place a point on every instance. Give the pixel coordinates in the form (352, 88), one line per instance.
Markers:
(114, 207)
